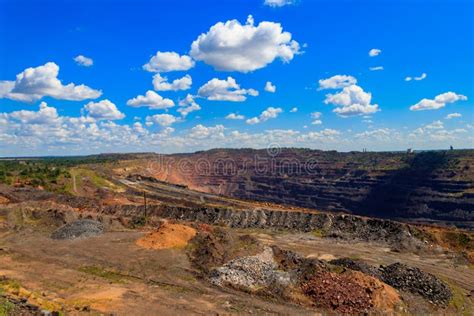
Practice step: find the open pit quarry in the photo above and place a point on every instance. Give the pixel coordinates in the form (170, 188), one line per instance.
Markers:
(426, 186)
(115, 234)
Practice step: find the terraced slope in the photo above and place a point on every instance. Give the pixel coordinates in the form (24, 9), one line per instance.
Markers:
(435, 185)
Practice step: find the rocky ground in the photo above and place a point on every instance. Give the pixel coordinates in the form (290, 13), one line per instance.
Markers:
(83, 228)
(102, 251)
(360, 289)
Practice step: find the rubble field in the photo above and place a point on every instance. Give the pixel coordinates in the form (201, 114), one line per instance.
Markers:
(114, 239)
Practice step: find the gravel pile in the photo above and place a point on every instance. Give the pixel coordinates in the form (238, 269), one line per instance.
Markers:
(403, 277)
(338, 292)
(357, 265)
(287, 259)
(83, 228)
(413, 280)
(250, 273)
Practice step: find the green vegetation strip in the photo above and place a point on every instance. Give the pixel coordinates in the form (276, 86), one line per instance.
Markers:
(6, 307)
(110, 275)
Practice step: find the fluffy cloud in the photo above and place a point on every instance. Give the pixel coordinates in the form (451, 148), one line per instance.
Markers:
(45, 132)
(103, 110)
(436, 132)
(253, 120)
(168, 61)
(423, 76)
(30, 131)
(453, 115)
(375, 52)
(450, 97)
(231, 46)
(277, 3)
(161, 83)
(234, 116)
(337, 82)
(439, 101)
(188, 105)
(45, 115)
(381, 134)
(83, 61)
(326, 135)
(351, 101)
(269, 113)
(435, 125)
(377, 68)
(316, 116)
(162, 119)
(152, 100)
(294, 110)
(34, 83)
(269, 87)
(200, 131)
(225, 90)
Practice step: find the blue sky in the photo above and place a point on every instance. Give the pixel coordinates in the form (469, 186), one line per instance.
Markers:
(332, 38)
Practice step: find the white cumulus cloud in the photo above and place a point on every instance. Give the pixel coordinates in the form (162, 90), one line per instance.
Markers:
(453, 115)
(152, 100)
(103, 110)
(278, 3)
(34, 83)
(294, 110)
(337, 82)
(374, 52)
(234, 116)
(438, 102)
(162, 119)
(269, 87)
(435, 125)
(161, 83)
(82, 60)
(316, 116)
(351, 101)
(200, 131)
(269, 113)
(225, 90)
(169, 61)
(232, 46)
(188, 105)
(45, 115)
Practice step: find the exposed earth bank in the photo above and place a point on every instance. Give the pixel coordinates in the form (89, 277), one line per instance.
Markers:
(436, 185)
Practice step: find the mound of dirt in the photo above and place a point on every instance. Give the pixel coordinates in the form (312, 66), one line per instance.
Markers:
(287, 259)
(403, 277)
(83, 228)
(217, 247)
(349, 293)
(167, 236)
(357, 265)
(4, 200)
(414, 280)
(384, 297)
(250, 273)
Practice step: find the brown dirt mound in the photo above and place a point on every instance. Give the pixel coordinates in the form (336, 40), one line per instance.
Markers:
(351, 292)
(167, 236)
(216, 247)
(4, 200)
(385, 298)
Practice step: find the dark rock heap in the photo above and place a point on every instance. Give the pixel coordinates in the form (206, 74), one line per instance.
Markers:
(83, 228)
(405, 278)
